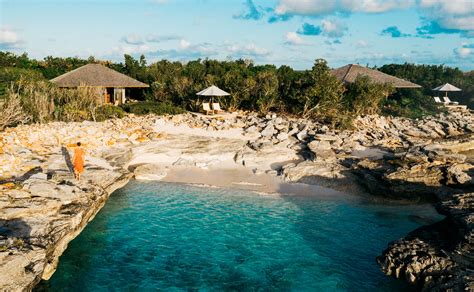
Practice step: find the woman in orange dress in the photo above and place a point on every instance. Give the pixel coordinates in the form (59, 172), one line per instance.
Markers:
(78, 161)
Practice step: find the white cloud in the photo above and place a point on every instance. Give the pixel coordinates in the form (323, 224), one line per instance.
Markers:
(321, 7)
(136, 39)
(161, 38)
(184, 44)
(333, 28)
(441, 16)
(375, 6)
(305, 7)
(452, 14)
(292, 38)
(464, 52)
(247, 50)
(9, 39)
(130, 50)
(186, 51)
(8, 36)
(451, 6)
(361, 44)
(133, 39)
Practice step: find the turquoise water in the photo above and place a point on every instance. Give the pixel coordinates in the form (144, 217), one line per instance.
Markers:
(158, 236)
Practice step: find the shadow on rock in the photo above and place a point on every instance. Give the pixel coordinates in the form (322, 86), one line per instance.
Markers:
(14, 234)
(67, 159)
(23, 177)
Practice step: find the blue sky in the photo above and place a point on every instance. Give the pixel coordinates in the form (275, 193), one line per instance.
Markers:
(291, 32)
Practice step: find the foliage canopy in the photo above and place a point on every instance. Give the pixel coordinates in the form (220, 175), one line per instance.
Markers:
(314, 93)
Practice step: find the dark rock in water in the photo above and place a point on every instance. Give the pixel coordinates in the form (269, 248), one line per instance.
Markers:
(438, 257)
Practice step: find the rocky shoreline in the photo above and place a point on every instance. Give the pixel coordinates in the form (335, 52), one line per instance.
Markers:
(42, 208)
(438, 257)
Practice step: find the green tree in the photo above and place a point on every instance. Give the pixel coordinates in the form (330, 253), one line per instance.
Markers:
(240, 88)
(266, 90)
(132, 66)
(9, 75)
(366, 97)
(323, 98)
(52, 67)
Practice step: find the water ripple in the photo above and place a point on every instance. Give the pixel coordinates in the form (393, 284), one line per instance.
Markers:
(156, 236)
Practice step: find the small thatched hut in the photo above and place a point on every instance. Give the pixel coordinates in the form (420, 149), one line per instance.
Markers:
(113, 83)
(349, 73)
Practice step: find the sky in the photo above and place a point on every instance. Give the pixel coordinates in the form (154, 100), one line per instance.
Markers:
(280, 32)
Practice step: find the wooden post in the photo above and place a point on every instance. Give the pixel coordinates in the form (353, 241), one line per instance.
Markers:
(105, 94)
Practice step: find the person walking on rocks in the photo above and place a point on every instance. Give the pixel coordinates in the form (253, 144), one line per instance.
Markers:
(78, 161)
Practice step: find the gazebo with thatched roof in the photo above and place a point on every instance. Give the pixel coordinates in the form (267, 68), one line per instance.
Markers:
(349, 73)
(112, 82)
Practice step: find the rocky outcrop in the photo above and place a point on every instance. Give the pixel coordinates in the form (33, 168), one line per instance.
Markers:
(42, 207)
(41, 215)
(439, 257)
(417, 174)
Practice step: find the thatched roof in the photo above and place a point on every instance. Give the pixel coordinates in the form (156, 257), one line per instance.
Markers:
(96, 75)
(349, 73)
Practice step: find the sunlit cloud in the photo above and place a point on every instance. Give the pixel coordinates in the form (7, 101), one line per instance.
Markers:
(9, 39)
(465, 51)
(292, 38)
(333, 28)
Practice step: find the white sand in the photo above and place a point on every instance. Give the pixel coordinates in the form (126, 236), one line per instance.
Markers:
(244, 179)
(206, 158)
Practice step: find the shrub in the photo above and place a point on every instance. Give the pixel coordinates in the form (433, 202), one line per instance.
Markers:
(42, 101)
(143, 108)
(37, 98)
(81, 103)
(109, 111)
(70, 113)
(267, 88)
(12, 112)
(321, 96)
(9, 75)
(410, 103)
(364, 97)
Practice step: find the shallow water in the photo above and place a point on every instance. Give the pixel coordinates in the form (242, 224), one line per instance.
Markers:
(159, 236)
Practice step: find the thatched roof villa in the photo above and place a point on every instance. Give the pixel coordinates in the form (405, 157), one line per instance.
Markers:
(349, 73)
(113, 83)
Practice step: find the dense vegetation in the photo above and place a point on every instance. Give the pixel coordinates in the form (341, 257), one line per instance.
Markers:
(149, 107)
(40, 101)
(314, 93)
(414, 102)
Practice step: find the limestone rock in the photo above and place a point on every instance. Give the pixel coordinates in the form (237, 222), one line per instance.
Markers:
(316, 146)
(456, 174)
(302, 135)
(430, 257)
(282, 136)
(150, 172)
(268, 131)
